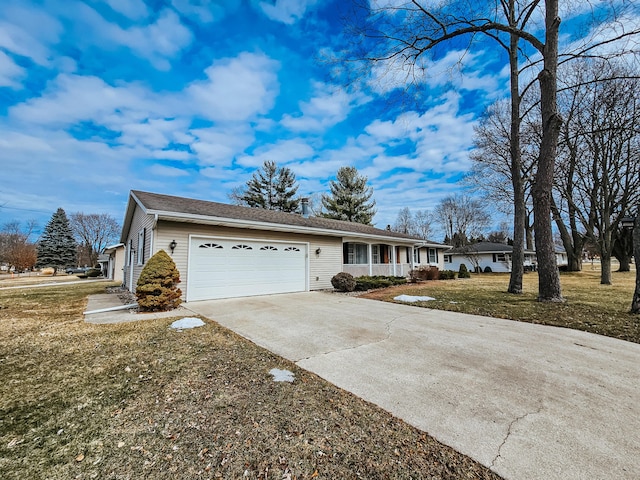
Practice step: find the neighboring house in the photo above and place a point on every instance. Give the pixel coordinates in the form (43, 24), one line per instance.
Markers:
(226, 250)
(112, 262)
(480, 255)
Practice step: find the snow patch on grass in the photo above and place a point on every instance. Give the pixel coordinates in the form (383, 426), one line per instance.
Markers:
(187, 322)
(412, 298)
(282, 375)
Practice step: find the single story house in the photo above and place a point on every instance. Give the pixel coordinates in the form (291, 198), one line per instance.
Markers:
(496, 256)
(112, 262)
(224, 251)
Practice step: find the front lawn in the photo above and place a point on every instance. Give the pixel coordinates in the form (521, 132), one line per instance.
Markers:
(601, 309)
(139, 400)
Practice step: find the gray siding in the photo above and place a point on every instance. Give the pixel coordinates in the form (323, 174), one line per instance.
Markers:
(139, 222)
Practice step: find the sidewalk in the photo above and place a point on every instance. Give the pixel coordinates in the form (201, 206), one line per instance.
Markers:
(110, 300)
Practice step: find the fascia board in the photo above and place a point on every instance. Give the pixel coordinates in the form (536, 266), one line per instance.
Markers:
(250, 224)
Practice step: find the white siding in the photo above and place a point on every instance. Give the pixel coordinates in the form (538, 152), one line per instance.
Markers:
(322, 266)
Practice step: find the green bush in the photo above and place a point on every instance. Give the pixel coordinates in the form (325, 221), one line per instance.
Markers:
(157, 289)
(487, 269)
(343, 282)
(378, 281)
(447, 275)
(463, 272)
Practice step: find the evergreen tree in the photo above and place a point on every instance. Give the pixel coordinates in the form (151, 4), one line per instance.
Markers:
(271, 188)
(57, 247)
(350, 198)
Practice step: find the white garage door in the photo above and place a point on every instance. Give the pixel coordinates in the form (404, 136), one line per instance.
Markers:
(225, 268)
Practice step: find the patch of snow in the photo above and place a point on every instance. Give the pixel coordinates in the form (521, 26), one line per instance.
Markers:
(187, 322)
(412, 298)
(281, 375)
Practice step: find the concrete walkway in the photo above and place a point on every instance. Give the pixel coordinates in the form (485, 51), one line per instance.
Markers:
(108, 300)
(529, 401)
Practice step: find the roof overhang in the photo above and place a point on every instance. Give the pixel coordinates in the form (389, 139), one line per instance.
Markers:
(275, 227)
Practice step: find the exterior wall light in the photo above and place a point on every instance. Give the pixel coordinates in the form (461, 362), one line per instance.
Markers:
(318, 251)
(172, 246)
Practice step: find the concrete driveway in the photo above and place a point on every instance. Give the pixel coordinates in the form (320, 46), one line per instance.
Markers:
(529, 401)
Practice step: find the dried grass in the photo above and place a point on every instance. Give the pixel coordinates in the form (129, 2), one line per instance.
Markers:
(589, 306)
(140, 400)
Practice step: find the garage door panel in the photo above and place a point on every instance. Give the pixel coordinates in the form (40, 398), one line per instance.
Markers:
(224, 268)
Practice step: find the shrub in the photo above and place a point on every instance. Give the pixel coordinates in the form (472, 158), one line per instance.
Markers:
(343, 282)
(424, 272)
(447, 275)
(487, 269)
(157, 289)
(379, 281)
(433, 273)
(463, 272)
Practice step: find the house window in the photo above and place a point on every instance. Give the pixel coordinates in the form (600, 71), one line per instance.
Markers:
(375, 254)
(416, 255)
(141, 246)
(448, 259)
(499, 257)
(356, 254)
(433, 255)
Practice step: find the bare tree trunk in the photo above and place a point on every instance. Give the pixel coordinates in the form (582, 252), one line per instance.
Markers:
(635, 303)
(517, 256)
(605, 269)
(548, 275)
(529, 233)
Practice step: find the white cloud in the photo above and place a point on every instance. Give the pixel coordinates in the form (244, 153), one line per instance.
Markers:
(133, 9)
(72, 98)
(329, 106)
(154, 133)
(166, 171)
(283, 152)
(28, 32)
(286, 11)
(158, 42)
(205, 12)
(10, 72)
(218, 146)
(236, 89)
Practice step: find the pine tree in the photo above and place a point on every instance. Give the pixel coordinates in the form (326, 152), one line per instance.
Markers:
(271, 188)
(350, 198)
(57, 247)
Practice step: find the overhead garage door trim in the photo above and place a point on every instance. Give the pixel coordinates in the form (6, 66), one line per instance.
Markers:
(226, 267)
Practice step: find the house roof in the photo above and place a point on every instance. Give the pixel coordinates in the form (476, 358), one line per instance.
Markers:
(168, 207)
(484, 247)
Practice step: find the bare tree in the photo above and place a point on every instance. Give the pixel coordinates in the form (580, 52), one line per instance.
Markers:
(94, 232)
(599, 160)
(461, 218)
(635, 303)
(399, 35)
(15, 248)
(423, 220)
(404, 222)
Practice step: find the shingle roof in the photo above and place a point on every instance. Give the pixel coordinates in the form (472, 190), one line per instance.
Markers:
(484, 247)
(156, 203)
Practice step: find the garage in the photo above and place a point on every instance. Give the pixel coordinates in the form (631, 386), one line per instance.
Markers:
(234, 267)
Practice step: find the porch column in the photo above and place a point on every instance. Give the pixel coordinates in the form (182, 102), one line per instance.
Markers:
(370, 255)
(393, 253)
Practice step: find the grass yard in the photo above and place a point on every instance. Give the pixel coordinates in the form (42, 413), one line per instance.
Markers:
(595, 308)
(139, 400)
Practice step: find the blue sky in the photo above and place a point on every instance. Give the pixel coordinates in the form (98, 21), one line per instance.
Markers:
(189, 97)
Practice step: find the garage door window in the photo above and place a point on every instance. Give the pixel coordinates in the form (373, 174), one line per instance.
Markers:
(269, 247)
(241, 247)
(292, 249)
(210, 245)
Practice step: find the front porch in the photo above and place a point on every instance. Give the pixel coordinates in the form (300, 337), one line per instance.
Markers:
(361, 259)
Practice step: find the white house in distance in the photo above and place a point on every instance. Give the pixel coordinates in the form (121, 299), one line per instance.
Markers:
(112, 262)
(480, 255)
(224, 251)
